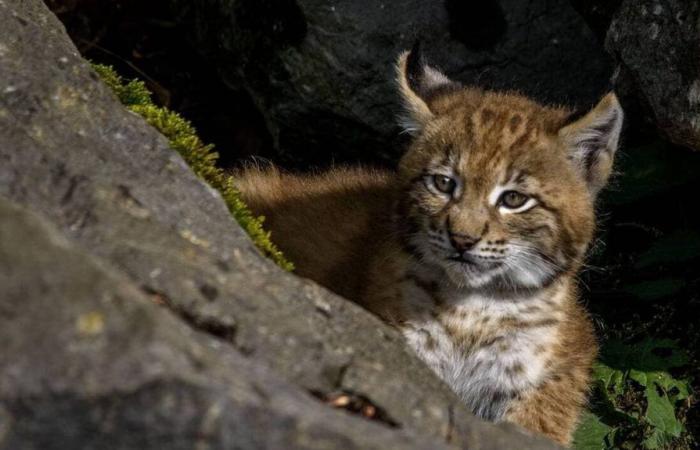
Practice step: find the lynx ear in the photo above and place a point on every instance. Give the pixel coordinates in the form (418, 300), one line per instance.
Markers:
(592, 141)
(418, 82)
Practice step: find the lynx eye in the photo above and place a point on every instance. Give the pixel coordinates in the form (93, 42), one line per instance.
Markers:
(444, 184)
(513, 199)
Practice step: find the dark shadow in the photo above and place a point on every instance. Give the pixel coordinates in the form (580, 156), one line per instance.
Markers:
(479, 25)
(148, 41)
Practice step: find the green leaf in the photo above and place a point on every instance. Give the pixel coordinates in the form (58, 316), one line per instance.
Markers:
(649, 355)
(660, 412)
(666, 382)
(591, 433)
(655, 289)
(677, 247)
(657, 439)
(640, 377)
(609, 378)
(650, 423)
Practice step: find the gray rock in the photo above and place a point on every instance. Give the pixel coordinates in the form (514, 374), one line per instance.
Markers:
(657, 48)
(90, 361)
(135, 313)
(322, 72)
(657, 45)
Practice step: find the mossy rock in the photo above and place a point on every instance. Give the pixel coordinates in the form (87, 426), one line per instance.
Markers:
(199, 156)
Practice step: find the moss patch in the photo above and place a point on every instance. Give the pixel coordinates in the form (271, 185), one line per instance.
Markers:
(199, 156)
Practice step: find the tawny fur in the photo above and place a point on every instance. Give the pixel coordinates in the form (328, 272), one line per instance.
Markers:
(514, 343)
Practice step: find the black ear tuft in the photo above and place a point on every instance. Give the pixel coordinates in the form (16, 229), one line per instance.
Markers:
(415, 62)
(419, 84)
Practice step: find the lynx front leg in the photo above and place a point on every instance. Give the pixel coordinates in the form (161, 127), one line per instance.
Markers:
(551, 409)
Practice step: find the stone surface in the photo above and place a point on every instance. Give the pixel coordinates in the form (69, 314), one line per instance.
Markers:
(135, 313)
(657, 48)
(657, 45)
(322, 71)
(90, 361)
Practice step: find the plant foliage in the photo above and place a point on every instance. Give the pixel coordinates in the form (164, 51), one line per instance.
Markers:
(642, 282)
(199, 156)
(636, 402)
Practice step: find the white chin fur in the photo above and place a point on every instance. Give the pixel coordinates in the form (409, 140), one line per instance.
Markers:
(534, 276)
(529, 270)
(531, 278)
(471, 277)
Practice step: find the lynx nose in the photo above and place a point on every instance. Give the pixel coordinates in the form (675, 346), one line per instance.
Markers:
(462, 242)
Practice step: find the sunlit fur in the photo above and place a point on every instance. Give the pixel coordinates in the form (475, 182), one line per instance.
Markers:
(500, 322)
(506, 141)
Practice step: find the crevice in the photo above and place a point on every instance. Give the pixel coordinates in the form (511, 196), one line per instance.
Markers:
(449, 434)
(73, 184)
(338, 383)
(356, 404)
(226, 332)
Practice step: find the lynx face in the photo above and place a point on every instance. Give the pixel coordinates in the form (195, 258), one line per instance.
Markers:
(498, 190)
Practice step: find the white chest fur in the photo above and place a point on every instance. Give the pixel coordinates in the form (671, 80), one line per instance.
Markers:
(489, 350)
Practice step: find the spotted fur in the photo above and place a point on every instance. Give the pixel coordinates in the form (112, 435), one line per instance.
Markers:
(482, 287)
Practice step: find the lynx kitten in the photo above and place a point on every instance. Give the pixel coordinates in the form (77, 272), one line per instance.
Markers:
(472, 247)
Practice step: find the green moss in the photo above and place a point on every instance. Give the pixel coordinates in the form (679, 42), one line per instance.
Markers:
(199, 156)
(130, 93)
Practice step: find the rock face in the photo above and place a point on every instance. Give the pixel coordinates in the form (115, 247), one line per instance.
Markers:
(657, 47)
(90, 361)
(322, 72)
(135, 313)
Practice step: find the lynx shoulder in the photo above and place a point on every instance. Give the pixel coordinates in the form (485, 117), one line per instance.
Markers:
(471, 247)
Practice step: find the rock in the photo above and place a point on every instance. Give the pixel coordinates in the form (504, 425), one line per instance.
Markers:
(322, 72)
(90, 361)
(657, 47)
(136, 314)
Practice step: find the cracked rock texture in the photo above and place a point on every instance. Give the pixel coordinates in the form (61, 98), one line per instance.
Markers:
(134, 313)
(656, 45)
(331, 64)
